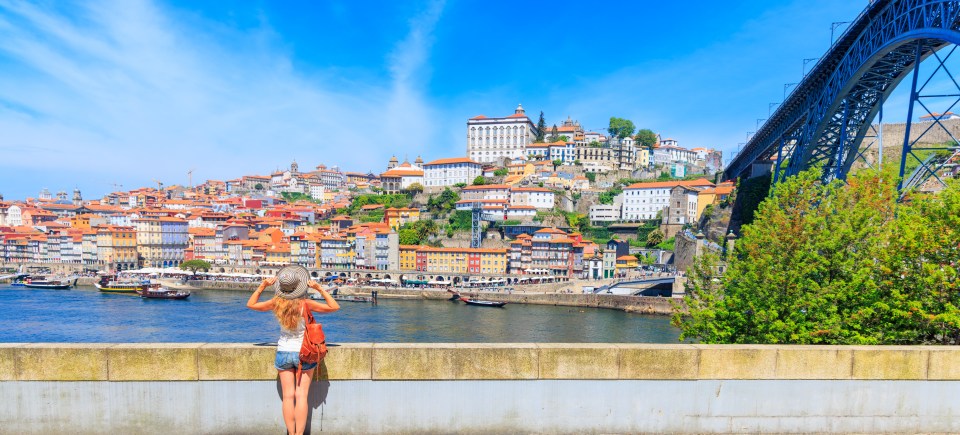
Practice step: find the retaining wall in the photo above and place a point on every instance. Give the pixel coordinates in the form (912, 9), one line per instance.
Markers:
(475, 388)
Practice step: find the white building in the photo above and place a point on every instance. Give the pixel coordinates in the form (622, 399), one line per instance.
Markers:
(644, 200)
(537, 197)
(673, 154)
(316, 191)
(492, 139)
(607, 212)
(401, 177)
(447, 172)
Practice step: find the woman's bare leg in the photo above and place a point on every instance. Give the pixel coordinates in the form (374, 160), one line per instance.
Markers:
(302, 405)
(288, 388)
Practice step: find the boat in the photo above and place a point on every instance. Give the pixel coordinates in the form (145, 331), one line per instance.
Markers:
(455, 295)
(157, 292)
(475, 302)
(50, 284)
(343, 298)
(112, 284)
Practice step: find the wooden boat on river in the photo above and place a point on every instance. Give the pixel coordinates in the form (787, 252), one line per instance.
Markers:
(477, 303)
(157, 292)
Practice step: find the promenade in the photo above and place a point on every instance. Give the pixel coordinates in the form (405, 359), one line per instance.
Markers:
(477, 388)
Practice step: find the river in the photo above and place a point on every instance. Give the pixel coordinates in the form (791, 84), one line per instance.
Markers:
(84, 315)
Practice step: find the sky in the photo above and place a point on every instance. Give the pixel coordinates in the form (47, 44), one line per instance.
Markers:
(94, 95)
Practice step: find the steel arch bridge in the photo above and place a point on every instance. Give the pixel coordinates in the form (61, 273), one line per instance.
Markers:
(828, 115)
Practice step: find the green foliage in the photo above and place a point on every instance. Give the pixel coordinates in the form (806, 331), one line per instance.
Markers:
(460, 185)
(408, 236)
(479, 181)
(510, 222)
(643, 231)
(595, 144)
(620, 128)
(664, 176)
(373, 216)
(591, 176)
(553, 134)
(607, 197)
(393, 200)
(541, 128)
(461, 220)
(667, 245)
(413, 189)
(654, 237)
(646, 138)
(563, 138)
(258, 186)
(444, 202)
(835, 264)
(195, 266)
(540, 184)
(556, 163)
(707, 213)
(501, 172)
(291, 197)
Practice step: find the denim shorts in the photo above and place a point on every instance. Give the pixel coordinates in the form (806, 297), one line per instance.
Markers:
(290, 361)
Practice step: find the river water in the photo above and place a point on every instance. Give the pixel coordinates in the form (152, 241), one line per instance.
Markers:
(84, 315)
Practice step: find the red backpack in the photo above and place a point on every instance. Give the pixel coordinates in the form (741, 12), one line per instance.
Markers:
(314, 347)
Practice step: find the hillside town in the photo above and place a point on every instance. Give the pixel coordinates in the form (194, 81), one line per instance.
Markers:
(521, 199)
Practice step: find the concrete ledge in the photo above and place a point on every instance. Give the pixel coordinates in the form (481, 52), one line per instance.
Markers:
(466, 361)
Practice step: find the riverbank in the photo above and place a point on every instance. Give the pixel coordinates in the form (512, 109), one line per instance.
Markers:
(535, 295)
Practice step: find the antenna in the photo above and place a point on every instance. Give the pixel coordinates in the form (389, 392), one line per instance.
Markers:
(190, 177)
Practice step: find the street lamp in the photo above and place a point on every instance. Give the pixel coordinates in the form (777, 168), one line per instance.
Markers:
(805, 62)
(833, 27)
(785, 87)
(770, 108)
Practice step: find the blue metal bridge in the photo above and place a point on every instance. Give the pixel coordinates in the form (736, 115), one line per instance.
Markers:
(827, 119)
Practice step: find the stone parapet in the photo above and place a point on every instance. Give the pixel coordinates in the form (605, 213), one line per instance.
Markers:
(460, 361)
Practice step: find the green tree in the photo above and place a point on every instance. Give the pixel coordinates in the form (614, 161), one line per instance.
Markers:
(646, 138)
(594, 144)
(408, 236)
(620, 128)
(501, 172)
(195, 266)
(258, 186)
(835, 263)
(591, 177)
(541, 128)
(563, 138)
(414, 188)
(479, 181)
(554, 134)
(654, 237)
(556, 163)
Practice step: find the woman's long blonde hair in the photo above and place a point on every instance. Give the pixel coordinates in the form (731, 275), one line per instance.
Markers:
(287, 312)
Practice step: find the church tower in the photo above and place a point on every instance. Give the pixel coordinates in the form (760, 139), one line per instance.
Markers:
(77, 200)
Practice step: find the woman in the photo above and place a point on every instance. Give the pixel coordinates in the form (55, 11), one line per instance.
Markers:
(290, 291)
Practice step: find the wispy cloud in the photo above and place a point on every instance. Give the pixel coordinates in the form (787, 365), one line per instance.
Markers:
(132, 90)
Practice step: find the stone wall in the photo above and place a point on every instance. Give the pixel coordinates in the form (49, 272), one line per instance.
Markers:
(484, 388)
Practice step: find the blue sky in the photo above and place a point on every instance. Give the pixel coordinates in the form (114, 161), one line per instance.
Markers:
(128, 91)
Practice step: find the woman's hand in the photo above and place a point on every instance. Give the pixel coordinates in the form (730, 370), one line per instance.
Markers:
(314, 285)
(268, 281)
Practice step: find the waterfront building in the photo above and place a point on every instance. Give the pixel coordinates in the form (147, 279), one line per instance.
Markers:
(117, 247)
(204, 242)
(490, 140)
(614, 249)
(456, 260)
(643, 201)
(376, 247)
(88, 254)
(448, 172)
(161, 241)
(548, 252)
(626, 262)
(335, 252)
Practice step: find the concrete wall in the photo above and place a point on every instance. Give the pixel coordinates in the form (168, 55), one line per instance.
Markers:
(475, 388)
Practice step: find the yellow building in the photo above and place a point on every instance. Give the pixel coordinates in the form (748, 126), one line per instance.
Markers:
(117, 247)
(396, 217)
(643, 157)
(454, 260)
(626, 262)
(408, 257)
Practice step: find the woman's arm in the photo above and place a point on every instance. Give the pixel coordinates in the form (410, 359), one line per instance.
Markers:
(254, 302)
(331, 304)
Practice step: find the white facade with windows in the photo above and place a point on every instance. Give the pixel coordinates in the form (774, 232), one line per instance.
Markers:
(492, 139)
(644, 200)
(536, 197)
(448, 172)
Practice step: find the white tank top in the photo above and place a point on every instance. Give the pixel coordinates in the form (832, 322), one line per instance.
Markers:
(291, 339)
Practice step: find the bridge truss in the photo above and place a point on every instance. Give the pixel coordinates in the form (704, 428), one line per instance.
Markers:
(827, 119)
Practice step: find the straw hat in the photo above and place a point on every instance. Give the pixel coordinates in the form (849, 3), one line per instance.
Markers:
(292, 282)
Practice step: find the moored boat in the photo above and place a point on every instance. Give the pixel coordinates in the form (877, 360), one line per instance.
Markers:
(477, 303)
(50, 284)
(112, 284)
(156, 292)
